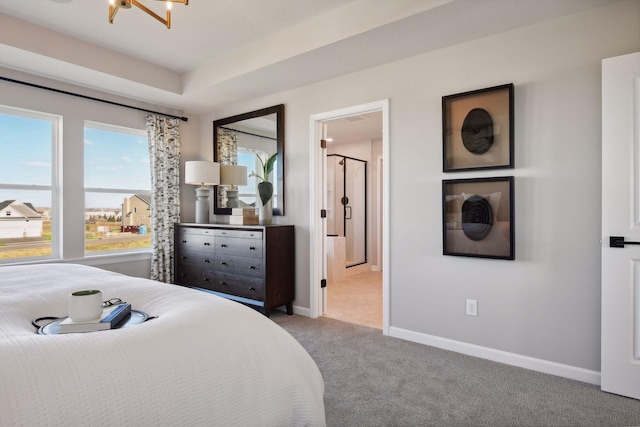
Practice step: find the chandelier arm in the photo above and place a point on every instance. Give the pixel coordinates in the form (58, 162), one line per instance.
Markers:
(166, 22)
(112, 12)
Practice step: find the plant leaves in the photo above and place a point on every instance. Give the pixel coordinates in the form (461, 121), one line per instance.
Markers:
(268, 168)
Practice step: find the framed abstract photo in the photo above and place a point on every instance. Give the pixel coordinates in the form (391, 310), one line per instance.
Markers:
(477, 217)
(477, 129)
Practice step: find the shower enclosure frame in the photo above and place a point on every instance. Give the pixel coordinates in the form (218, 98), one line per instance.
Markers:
(345, 206)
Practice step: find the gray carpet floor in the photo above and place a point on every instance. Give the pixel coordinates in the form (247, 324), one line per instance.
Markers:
(373, 380)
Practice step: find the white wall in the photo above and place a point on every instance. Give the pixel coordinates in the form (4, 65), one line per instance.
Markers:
(546, 303)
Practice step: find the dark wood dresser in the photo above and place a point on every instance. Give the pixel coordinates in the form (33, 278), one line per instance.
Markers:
(253, 264)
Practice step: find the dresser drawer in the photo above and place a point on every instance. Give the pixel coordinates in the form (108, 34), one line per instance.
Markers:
(194, 230)
(193, 276)
(242, 286)
(195, 258)
(239, 265)
(239, 247)
(240, 234)
(194, 242)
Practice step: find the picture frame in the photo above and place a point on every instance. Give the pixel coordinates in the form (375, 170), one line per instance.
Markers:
(477, 129)
(478, 217)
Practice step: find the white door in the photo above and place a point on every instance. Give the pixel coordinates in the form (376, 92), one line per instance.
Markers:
(620, 341)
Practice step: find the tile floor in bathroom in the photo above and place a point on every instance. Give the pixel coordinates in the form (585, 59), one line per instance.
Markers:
(357, 299)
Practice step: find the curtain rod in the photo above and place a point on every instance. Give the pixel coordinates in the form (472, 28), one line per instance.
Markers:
(184, 119)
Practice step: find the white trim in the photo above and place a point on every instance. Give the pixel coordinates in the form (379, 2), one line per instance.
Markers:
(315, 188)
(513, 359)
(379, 213)
(301, 311)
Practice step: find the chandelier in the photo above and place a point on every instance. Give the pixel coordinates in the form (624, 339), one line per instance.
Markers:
(115, 5)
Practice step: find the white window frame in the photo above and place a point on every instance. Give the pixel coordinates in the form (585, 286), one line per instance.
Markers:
(56, 168)
(113, 128)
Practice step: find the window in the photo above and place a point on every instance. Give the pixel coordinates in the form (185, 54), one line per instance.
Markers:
(248, 194)
(28, 184)
(117, 183)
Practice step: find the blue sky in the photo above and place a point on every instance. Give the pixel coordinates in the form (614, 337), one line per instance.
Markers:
(25, 151)
(112, 160)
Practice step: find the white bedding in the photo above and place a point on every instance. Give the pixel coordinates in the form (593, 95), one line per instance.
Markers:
(205, 361)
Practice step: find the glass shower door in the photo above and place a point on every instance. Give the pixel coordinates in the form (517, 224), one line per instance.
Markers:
(347, 202)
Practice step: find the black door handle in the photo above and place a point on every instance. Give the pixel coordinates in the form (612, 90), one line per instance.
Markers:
(618, 242)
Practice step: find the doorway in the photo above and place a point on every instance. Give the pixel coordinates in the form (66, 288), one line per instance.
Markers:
(370, 254)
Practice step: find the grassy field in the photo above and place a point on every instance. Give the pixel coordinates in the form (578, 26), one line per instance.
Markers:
(94, 241)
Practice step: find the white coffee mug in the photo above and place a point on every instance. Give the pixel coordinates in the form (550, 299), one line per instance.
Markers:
(85, 305)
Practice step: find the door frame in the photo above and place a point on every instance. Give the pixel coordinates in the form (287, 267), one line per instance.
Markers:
(317, 189)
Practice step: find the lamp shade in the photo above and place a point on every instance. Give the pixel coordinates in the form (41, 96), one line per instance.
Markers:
(201, 172)
(233, 175)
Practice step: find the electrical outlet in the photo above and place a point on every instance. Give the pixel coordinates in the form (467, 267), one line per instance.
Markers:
(472, 307)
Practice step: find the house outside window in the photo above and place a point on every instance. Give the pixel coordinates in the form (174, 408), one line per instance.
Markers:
(117, 189)
(29, 142)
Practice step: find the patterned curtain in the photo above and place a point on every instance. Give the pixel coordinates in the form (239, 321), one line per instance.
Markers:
(227, 155)
(164, 153)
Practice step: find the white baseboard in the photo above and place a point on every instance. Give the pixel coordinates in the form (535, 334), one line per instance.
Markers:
(540, 365)
(302, 311)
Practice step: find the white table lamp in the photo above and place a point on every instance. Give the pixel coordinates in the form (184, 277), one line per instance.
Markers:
(232, 176)
(202, 173)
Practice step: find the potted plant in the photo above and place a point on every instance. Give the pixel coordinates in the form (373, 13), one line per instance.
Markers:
(265, 188)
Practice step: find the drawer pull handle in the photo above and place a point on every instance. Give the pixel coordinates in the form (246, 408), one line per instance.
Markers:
(205, 280)
(223, 263)
(207, 261)
(252, 288)
(223, 245)
(251, 267)
(183, 257)
(223, 283)
(207, 244)
(252, 248)
(184, 241)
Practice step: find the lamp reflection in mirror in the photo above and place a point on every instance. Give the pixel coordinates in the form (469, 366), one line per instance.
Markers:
(202, 173)
(232, 176)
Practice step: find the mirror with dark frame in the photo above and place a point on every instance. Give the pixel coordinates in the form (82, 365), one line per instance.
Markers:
(243, 140)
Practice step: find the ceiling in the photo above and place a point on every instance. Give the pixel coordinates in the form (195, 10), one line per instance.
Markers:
(223, 51)
(358, 128)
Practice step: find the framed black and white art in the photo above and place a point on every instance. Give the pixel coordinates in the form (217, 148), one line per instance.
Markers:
(477, 217)
(477, 129)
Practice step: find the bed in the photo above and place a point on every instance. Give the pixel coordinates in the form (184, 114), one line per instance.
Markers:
(204, 360)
